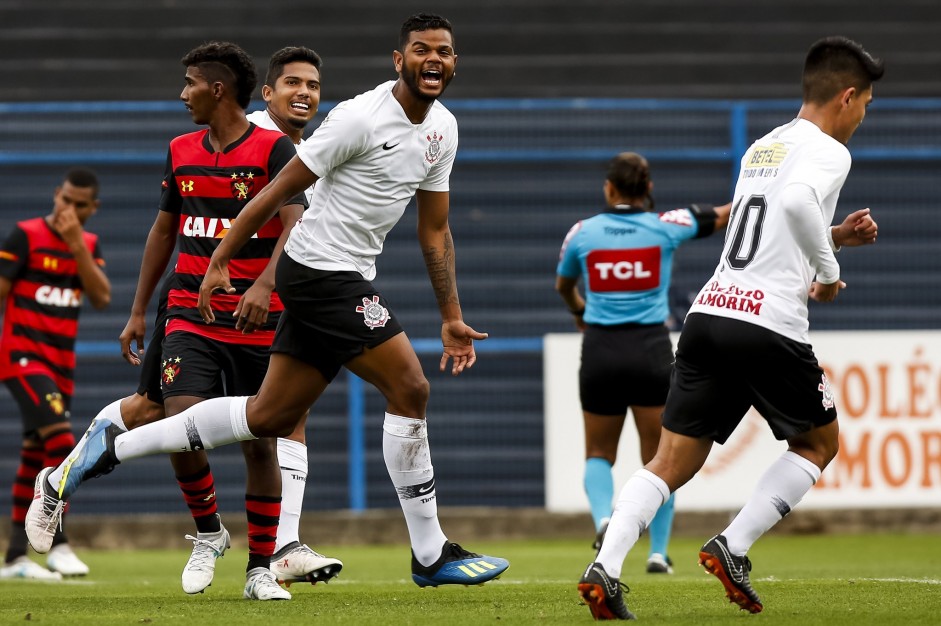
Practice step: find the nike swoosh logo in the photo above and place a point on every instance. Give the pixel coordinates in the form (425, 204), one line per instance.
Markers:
(737, 574)
(386, 146)
(611, 588)
(426, 489)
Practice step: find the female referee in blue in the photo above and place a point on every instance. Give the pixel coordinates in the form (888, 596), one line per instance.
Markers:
(623, 257)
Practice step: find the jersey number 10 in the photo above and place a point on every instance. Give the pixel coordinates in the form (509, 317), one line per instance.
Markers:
(746, 234)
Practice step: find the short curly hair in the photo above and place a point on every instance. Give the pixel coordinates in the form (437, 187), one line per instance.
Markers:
(421, 22)
(225, 62)
(83, 177)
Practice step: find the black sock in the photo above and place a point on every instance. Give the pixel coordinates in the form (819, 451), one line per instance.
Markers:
(18, 542)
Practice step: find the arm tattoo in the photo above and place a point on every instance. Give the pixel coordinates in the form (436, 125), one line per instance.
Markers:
(441, 271)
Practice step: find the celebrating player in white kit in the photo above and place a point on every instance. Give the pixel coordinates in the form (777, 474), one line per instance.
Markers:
(745, 339)
(369, 158)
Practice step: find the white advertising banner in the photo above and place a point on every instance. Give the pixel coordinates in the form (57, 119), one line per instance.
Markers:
(887, 389)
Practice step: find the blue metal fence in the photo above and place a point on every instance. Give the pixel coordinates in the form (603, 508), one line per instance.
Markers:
(527, 170)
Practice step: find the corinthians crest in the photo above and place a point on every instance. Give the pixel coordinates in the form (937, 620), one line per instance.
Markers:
(374, 314)
(242, 185)
(827, 392)
(434, 147)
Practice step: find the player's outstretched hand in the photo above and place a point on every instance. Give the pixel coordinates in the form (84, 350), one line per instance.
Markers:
(821, 292)
(458, 341)
(133, 333)
(856, 230)
(216, 279)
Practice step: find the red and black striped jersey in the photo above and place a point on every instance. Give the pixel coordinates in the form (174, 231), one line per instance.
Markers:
(208, 189)
(40, 320)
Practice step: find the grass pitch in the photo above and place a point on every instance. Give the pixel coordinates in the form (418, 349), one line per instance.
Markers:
(831, 580)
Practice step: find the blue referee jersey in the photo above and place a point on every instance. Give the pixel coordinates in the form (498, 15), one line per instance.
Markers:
(625, 256)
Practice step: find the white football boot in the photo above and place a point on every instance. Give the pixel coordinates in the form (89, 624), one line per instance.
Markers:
(199, 570)
(260, 584)
(296, 562)
(23, 567)
(63, 560)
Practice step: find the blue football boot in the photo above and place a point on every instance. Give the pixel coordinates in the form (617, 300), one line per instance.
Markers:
(457, 566)
(94, 459)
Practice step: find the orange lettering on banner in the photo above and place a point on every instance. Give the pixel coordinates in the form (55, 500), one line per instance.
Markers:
(900, 457)
(856, 403)
(846, 464)
(918, 374)
(931, 452)
(857, 386)
(905, 454)
(884, 410)
(871, 395)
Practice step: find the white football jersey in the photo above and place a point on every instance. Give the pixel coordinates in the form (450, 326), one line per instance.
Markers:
(262, 119)
(370, 160)
(785, 199)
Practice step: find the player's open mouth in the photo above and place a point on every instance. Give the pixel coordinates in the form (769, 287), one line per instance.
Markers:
(300, 107)
(431, 77)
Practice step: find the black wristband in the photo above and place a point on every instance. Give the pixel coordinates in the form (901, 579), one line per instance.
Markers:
(578, 313)
(706, 216)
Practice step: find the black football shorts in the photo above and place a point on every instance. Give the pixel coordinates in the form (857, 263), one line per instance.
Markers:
(329, 317)
(724, 366)
(193, 365)
(150, 372)
(625, 365)
(40, 401)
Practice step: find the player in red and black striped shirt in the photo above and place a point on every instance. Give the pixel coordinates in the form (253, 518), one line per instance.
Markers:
(46, 265)
(210, 175)
(195, 203)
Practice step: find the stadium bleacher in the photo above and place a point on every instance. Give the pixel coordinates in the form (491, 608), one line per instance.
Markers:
(120, 50)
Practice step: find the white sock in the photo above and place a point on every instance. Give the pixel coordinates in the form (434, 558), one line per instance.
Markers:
(778, 491)
(112, 413)
(638, 502)
(408, 459)
(203, 426)
(292, 457)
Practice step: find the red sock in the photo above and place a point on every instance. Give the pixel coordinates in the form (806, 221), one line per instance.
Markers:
(262, 513)
(57, 445)
(30, 466)
(199, 492)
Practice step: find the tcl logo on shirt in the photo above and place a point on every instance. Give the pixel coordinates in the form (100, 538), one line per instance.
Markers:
(624, 270)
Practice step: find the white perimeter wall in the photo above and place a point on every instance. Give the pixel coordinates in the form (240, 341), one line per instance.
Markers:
(887, 388)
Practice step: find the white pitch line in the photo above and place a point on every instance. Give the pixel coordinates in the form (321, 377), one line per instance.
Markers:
(923, 581)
